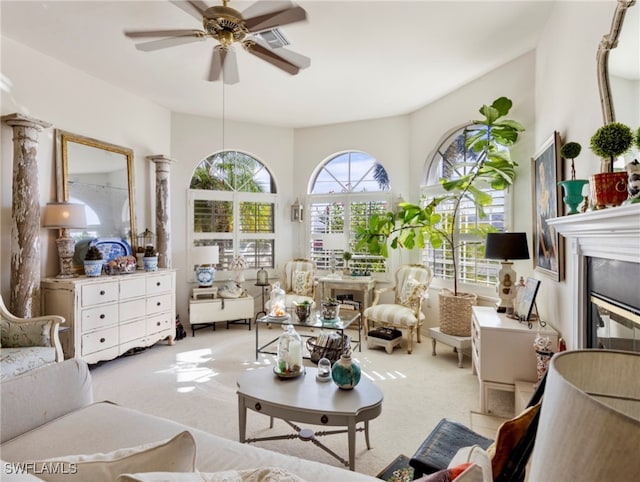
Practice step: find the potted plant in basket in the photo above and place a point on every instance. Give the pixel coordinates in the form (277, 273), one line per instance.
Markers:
(572, 187)
(330, 309)
(93, 262)
(415, 226)
(609, 187)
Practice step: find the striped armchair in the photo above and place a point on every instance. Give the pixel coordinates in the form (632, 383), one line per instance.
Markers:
(405, 313)
(297, 279)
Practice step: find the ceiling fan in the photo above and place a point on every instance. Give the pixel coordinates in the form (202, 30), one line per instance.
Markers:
(228, 27)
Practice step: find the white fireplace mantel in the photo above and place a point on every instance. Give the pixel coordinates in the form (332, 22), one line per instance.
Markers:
(612, 233)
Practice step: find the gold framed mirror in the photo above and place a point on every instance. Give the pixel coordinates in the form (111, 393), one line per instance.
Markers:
(100, 176)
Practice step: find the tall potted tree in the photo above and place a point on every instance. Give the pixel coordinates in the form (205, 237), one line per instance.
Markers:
(486, 162)
(572, 187)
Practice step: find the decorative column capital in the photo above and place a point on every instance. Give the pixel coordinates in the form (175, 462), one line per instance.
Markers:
(160, 159)
(21, 120)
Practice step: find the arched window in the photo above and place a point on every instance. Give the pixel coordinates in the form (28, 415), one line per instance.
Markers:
(345, 191)
(473, 268)
(232, 200)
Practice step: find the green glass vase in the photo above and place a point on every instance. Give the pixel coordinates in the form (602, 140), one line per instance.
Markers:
(573, 193)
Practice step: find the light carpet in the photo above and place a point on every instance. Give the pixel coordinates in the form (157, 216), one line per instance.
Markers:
(194, 382)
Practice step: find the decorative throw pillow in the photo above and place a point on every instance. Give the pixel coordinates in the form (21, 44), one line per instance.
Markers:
(510, 433)
(30, 333)
(177, 454)
(478, 457)
(447, 475)
(303, 283)
(260, 474)
(411, 291)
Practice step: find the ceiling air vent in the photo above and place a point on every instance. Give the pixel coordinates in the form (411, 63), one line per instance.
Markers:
(274, 37)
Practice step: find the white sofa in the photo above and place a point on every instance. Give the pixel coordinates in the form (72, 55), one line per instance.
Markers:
(49, 413)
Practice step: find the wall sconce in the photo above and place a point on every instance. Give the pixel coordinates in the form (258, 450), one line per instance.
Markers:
(506, 246)
(296, 212)
(205, 258)
(65, 216)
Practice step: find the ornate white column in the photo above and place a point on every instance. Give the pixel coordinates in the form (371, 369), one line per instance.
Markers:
(25, 216)
(163, 209)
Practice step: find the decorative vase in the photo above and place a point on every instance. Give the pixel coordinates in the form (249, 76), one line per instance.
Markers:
(330, 310)
(573, 193)
(93, 267)
(150, 263)
(303, 311)
(608, 189)
(140, 260)
(346, 372)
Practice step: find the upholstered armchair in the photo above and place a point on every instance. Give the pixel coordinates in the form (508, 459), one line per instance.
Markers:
(405, 313)
(27, 343)
(297, 279)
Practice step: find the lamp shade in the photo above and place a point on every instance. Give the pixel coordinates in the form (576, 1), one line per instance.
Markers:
(333, 241)
(589, 426)
(506, 246)
(204, 255)
(64, 216)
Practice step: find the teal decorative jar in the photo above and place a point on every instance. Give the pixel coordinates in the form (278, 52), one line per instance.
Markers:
(346, 372)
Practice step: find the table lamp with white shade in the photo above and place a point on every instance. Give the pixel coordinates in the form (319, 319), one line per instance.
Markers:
(65, 216)
(506, 247)
(589, 427)
(333, 242)
(205, 258)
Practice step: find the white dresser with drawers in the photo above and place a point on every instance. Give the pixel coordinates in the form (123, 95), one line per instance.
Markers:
(108, 315)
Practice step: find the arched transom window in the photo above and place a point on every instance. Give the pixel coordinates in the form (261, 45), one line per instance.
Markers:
(346, 190)
(232, 200)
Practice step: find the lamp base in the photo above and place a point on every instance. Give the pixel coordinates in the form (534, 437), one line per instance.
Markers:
(66, 247)
(205, 275)
(506, 287)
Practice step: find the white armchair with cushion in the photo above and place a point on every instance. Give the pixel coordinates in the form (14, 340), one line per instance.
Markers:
(27, 344)
(298, 282)
(405, 313)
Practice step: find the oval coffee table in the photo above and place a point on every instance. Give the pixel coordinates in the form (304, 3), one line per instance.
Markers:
(305, 400)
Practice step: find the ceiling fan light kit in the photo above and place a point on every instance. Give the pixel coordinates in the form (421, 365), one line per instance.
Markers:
(228, 27)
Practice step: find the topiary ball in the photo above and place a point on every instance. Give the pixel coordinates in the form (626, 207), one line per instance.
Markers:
(570, 150)
(612, 140)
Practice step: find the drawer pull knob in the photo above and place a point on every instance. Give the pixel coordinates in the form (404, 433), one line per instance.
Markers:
(157, 283)
(102, 293)
(324, 419)
(102, 316)
(158, 303)
(102, 340)
(258, 406)
(157, 323)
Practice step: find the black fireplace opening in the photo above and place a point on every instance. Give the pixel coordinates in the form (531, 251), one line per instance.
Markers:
(613, 305)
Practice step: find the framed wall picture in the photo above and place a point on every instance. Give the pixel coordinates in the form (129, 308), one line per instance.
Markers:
(526, 302)
(548, 248)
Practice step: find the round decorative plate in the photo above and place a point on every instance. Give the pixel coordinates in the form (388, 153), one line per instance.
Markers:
(278, 318)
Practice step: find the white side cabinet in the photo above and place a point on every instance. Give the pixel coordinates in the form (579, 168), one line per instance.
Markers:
(108, 315)
(502, 351)
(204, 312)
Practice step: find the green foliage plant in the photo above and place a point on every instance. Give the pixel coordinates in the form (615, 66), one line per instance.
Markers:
(413, 226)
(571, 150)
(638, 139)
(611, 140)
(93, 254)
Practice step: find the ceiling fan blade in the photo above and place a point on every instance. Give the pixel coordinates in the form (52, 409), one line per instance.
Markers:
(195, 8)
(230, 68)
(262, 8)
(162, 33)
(275, 19)
(271, 57)
(299, 60)
(167, 42)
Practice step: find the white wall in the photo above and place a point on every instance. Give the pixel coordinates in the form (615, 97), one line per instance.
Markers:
(567, 100)
(42, 87)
